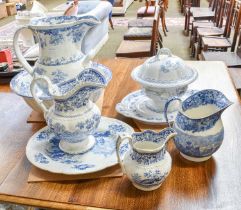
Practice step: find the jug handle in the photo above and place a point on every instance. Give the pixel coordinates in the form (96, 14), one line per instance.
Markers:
(18, 52)
(37, 99)
(120, 139)
(170, 100)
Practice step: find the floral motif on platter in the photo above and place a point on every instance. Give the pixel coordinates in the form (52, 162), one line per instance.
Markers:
(41, 158)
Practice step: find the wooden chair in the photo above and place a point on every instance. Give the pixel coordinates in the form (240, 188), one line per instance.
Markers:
(208, 22)
(199, 14)
(231, 59)
(223, 43)
(233, 62)
(193, 3)
(140, 48)
(143, 23)
(143, 33)
(223, 16)
(149, 11)
(186, 3)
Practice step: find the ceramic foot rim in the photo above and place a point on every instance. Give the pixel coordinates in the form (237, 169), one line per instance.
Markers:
(77, 148)
(194, 159)
(146, 188)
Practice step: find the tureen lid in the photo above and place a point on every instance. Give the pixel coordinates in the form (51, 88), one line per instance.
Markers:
(164, 70)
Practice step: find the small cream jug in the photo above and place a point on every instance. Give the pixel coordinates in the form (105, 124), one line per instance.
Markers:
(147, 162)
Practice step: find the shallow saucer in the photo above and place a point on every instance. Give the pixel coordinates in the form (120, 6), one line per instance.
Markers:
(43, 150)
(134, 105)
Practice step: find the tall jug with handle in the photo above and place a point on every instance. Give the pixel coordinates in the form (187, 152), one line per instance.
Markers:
(60, 39)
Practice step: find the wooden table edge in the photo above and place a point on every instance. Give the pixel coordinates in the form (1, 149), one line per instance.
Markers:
(44, 204)
(231, 79)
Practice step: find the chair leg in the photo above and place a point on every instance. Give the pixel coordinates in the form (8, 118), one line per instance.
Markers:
(188, 23)
(163, 27)
(160, 36)
(111, 24)
(160, 43)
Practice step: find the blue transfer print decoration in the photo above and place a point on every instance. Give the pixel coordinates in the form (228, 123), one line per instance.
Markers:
(150, 178)
(83, 166)
(148, 158)
(41, 158)
(198, 146)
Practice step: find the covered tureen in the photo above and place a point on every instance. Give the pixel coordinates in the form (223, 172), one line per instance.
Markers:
(163, 76)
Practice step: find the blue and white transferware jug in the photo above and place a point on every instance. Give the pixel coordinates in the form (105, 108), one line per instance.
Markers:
(60, 39)
(198, 124)
(73, 118)
(147, 163)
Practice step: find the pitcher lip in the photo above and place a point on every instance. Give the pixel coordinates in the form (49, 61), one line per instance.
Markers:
(160, 144)
(221, 109)
(70, 21)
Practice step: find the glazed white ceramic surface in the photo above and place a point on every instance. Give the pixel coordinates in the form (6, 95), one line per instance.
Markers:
(43, 150)
(136, 105)
(146, 163)
(163, 76)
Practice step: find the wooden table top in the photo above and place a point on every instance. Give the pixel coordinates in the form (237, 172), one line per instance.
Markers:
(214, 184)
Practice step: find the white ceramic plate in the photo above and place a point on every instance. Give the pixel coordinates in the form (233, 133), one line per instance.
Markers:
(43, 150)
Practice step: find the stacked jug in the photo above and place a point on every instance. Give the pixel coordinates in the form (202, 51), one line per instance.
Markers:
(72, 83)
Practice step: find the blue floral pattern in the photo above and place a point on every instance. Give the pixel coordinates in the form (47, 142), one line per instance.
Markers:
(205, 97)
(41, 158)
(148, 158)
(196, 125)
(60, 36)
(76, 101)
(150, 178)
(156, 137)
(198, 146)
(81, 131)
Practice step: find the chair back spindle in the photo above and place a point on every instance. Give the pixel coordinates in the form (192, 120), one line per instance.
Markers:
(155, 29)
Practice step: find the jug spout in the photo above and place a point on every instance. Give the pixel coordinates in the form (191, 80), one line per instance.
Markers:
(168, 133)
(90, 87)
(205, 103)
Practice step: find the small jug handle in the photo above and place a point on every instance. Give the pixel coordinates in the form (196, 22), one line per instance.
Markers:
(175, 98)
(18, 52)
(120, 139)
(37, 99)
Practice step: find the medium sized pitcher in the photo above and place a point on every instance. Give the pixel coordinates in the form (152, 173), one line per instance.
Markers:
(147, 162)
(198, 124)
(73, 117)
